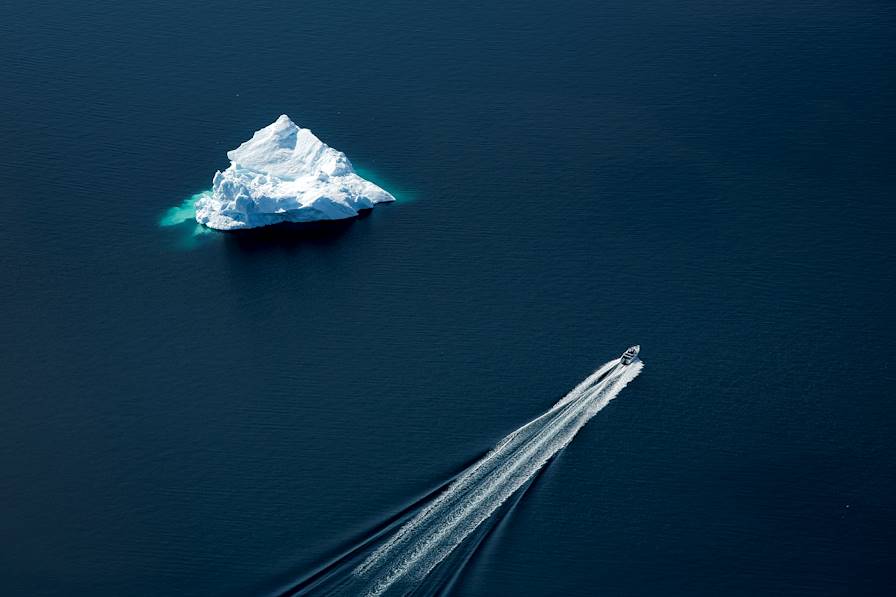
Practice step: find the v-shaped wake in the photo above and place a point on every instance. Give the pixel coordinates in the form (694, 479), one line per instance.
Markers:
(431, 532)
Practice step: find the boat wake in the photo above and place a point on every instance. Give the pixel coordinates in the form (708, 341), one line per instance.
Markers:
(444, 529)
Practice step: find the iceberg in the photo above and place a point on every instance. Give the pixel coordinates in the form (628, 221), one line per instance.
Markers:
(284, 173)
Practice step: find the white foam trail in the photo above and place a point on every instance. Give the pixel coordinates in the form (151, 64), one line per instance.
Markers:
(586, 383)
(427, 539)
(475, 471)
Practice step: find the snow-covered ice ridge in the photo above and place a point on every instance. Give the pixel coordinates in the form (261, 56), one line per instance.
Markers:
(284, 173)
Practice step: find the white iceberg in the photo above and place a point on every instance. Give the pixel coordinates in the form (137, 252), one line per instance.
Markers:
(285, 174)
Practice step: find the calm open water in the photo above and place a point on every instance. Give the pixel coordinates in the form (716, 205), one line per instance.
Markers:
(219, 414)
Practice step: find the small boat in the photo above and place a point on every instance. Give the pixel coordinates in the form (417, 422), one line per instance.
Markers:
(630, 355)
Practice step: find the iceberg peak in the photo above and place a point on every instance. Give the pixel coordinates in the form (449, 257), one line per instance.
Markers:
(284, 173)
(286, 150)
(284, 120)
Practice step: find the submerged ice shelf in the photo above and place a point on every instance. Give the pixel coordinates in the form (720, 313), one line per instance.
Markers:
(284, 173)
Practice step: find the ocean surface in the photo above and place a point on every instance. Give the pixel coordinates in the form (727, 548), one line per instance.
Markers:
(207, 414)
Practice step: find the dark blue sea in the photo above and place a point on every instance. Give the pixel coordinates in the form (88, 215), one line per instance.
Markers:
(220, 414)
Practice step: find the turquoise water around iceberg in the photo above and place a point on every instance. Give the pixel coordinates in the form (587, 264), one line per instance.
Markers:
(185, 212)
(401, 194)
(183, 218)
